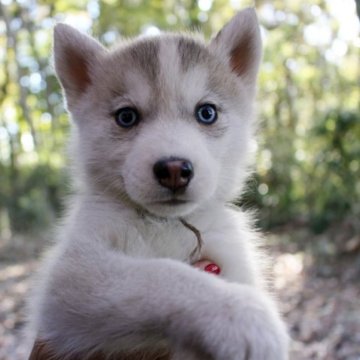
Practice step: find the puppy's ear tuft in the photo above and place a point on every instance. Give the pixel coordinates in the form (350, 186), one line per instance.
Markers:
(74, 54)
(240, 42)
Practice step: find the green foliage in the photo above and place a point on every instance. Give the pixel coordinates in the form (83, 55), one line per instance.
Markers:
(337, 165)
(34, 200)
(320, 190)
(308, 162)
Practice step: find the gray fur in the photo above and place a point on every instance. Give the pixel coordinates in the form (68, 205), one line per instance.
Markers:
(191, 52)
(145, 55)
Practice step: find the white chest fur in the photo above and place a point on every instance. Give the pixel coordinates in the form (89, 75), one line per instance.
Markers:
(151, 237)
(131, 232)
(226, 237)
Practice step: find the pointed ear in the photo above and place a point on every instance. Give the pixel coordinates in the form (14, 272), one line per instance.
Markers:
(239, 42)
(75, 54)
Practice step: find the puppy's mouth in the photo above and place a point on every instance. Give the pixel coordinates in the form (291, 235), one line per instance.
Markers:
(170, 207)
(172, 202)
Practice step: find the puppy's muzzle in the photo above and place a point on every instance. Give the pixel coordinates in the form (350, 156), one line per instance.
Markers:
(173, 173)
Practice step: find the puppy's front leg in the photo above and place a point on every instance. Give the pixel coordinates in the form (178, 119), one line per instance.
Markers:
(105, 301)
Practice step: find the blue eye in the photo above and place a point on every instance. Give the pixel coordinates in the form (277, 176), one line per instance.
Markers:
(206, 114)
(126, 117)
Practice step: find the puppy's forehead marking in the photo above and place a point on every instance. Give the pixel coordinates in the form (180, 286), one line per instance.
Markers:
(191, 53)
(145, 56)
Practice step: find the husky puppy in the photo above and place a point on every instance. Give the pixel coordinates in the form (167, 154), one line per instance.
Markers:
(161, 138)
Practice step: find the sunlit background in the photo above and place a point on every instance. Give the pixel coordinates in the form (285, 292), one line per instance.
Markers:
(306, 186)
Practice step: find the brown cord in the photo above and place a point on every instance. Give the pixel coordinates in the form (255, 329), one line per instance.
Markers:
(198, 238)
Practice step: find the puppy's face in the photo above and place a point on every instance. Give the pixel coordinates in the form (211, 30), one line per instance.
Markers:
(164, 122)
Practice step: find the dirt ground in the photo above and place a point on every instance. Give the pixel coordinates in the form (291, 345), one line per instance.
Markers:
(319, 295)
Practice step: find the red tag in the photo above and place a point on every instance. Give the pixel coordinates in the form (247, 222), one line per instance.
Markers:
(212, 268)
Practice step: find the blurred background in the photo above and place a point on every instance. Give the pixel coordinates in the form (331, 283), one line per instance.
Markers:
(306, 186)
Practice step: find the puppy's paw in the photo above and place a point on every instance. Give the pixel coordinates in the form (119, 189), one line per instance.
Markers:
(245, 325)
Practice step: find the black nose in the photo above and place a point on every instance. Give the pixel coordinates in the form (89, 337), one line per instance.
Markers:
(173, 173)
